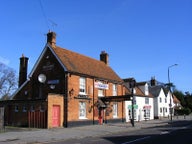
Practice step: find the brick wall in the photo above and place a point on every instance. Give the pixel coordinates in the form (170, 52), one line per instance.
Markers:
(54, 99)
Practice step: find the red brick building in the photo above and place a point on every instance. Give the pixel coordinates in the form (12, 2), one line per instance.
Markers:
(66, 88)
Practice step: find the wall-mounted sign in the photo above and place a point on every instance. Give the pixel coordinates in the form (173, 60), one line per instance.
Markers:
(48, 67)
(53, 82)
(101, 85)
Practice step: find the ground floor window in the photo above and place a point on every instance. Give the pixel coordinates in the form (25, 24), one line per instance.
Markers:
(82, 110)
(146, 113)
(130, 114)
(115, 110)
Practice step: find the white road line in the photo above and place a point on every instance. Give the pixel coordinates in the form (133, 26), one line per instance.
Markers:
(137, 140)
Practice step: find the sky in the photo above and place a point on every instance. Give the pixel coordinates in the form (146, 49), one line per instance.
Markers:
(142, 37)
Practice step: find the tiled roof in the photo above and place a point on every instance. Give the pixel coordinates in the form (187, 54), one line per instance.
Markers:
(78, 63)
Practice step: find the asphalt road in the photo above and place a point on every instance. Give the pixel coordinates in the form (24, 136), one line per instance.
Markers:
(175, 133)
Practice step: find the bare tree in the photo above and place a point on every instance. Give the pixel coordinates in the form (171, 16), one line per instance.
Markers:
(8, 82)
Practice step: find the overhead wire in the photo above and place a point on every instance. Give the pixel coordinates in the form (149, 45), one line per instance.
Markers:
(44, 14)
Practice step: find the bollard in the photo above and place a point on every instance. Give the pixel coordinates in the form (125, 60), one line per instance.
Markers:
(184, 116)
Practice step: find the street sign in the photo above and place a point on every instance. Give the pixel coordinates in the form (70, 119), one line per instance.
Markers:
(134, 106)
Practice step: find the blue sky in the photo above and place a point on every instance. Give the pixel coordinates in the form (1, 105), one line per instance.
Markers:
(142, 37)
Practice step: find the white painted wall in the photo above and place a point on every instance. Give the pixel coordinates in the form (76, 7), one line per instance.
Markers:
(140, 102)
(161, 104)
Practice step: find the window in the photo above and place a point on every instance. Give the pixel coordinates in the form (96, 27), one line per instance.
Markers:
(41, 108)
(32, 108)
(165, 100)
(130, 113)
(82, 110)
(82, 86)
(146, 113)
(24, 108)
(115, 110)
(16, 108)
(114, 90)
(160, 110)
(100, 93)
(146, 100)
(160, 100)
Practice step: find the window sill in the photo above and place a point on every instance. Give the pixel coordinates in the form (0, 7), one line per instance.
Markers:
(83, 118)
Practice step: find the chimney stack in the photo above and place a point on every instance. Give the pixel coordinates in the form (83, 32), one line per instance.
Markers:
(104, 57)
(153, 81)
(51, 38)
(23, 69)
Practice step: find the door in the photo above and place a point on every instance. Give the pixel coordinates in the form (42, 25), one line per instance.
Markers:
(56, 116)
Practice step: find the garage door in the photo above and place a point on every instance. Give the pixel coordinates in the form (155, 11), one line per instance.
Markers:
(56, 116)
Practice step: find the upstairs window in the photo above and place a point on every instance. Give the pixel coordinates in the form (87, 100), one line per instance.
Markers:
(82, 86)
(160, 100)
(146, 100)
(114, 90)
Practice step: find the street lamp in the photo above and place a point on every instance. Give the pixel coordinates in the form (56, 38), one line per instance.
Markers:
(169, 84)
(132, 85)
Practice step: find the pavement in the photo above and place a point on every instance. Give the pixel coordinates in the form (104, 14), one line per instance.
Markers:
(13, 135)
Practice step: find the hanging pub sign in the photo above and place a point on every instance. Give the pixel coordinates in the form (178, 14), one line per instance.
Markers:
(101, 85)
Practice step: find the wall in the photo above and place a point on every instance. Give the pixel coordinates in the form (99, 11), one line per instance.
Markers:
(54, 99)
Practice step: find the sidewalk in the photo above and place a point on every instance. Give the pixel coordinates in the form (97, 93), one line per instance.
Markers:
(25, 135)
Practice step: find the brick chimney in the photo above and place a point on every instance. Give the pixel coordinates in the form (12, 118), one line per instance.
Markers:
(51, 38)
(104, 57)
(23, 69)
(153, 81)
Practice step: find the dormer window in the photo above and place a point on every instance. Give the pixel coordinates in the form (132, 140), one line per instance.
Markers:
(82, 86)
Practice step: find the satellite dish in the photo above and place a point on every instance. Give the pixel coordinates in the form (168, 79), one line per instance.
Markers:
(42, 78)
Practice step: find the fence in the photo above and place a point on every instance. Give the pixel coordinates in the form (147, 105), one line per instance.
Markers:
(2, 126)
(37, 119)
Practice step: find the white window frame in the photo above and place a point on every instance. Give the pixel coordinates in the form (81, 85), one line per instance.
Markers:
(82, 86)
(115, 110)
(114, 89)
(100, 93)
(82, 110)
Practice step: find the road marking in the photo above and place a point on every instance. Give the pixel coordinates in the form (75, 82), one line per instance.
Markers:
(164, 132)
(140, 139)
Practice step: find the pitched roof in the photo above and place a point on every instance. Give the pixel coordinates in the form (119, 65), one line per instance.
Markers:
(155, 90)
(78, 63)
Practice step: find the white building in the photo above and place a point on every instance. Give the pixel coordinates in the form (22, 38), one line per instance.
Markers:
(163, 100)
(143, 102)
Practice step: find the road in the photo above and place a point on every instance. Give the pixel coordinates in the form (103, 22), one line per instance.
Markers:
(175, 133)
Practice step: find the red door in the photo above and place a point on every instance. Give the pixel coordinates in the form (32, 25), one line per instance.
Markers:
(56, 116)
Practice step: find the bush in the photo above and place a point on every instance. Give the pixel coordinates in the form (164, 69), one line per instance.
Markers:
(183, 111)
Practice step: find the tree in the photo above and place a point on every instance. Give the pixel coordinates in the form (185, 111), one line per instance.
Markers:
(8, 82)
(180, 96)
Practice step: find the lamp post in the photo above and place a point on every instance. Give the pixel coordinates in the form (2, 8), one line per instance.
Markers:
(169, 84)
(132, 85)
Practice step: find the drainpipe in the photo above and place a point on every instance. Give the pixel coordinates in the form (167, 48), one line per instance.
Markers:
(66, 101)
(93, 102)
